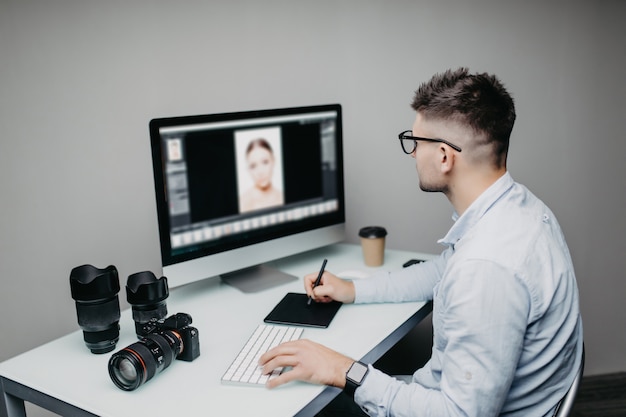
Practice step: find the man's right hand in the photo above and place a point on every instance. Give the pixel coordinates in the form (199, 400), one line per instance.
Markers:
(331, 288)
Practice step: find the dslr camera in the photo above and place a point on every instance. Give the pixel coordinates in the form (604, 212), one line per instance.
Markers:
(163, 341)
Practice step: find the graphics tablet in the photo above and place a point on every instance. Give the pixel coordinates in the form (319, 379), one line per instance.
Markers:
(293, 309)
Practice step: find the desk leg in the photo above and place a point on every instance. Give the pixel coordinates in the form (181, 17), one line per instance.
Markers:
(14, 394)
(10, 405)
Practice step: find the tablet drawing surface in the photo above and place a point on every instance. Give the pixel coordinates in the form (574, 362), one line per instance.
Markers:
(293, 309)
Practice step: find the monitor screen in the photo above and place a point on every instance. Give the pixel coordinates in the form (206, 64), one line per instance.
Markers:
(237, 190)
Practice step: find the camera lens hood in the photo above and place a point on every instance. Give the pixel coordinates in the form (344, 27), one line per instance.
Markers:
(89, 283)
(143, 288)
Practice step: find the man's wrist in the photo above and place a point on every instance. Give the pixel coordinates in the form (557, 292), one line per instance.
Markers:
(352, 296)
(340, 378)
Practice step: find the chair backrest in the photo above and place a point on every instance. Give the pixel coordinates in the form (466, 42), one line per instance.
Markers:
(565, 405)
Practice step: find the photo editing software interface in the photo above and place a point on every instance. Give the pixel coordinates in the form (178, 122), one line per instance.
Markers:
(230, 180)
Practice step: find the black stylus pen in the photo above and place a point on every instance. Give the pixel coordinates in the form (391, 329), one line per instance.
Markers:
(319, 278)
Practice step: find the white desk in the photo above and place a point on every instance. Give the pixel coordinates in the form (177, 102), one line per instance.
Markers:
(65, 377)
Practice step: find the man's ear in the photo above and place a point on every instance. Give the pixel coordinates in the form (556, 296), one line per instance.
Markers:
(446, 159)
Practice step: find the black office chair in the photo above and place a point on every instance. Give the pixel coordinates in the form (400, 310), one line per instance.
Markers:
(567, 403)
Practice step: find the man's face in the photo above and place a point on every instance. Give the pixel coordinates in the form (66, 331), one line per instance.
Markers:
(428, 156)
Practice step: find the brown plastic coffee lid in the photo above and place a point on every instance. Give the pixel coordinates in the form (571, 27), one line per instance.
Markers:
(373, 232)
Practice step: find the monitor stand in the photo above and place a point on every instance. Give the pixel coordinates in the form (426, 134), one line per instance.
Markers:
(257, 278)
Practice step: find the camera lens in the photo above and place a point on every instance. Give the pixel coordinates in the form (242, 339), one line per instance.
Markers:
(97, 305)
(125, 371)
(146, 294)
(136, 364)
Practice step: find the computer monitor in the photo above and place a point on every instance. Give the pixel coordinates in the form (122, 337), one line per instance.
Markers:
(235, 191)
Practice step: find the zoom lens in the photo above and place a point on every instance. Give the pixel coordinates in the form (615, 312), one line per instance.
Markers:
(97, 305)
(136, 364)
(146, 294)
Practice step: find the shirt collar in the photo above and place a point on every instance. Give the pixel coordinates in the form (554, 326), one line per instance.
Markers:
(476, 210)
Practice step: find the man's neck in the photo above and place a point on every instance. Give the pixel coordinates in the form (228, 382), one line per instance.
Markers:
(463, 192)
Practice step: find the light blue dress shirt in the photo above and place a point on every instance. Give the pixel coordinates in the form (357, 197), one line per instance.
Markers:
(507, 328)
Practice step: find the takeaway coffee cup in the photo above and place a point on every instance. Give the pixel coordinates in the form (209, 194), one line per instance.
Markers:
(373, 244)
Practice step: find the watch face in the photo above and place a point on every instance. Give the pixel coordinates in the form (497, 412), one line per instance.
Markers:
(357, 372)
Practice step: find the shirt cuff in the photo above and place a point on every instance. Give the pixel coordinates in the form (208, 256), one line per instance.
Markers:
(374, 393)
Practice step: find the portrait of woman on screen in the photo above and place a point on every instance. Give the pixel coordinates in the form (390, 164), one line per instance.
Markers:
(260, 172)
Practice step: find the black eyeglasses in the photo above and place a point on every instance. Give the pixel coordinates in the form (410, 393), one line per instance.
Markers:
(409, 142)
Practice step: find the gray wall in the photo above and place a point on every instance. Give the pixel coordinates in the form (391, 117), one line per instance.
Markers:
(79, 81)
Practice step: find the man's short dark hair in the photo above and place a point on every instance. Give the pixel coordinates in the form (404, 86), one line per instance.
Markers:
(479, 101)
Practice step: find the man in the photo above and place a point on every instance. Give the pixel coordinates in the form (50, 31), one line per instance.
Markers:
(506, 322)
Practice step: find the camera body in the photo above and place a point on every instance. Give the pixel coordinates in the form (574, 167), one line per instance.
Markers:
(180, 324)
(164, 340)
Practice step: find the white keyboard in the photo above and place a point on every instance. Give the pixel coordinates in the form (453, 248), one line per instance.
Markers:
(245, 369)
